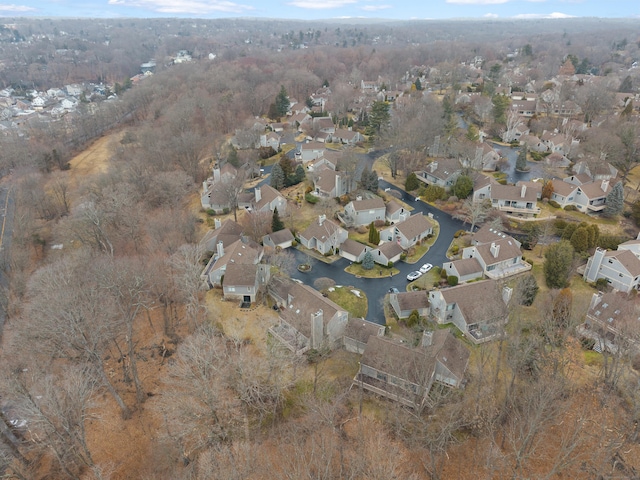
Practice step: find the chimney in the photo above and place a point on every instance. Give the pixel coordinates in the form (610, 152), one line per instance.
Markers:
(434, 166)
(495, 249)
(217, 223)
(289, 299)
(605, 185)
(220, 248)
(358, 198)
(258, 194)
(321, 219)
(427, 338)
(506, 294)
(595, 300)
(317, 329)
(216, 174)
(523, 191)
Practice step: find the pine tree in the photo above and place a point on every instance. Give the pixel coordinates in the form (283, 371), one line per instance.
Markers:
(276, 223)
(299, 174)
(277, 177)
(367, 261)
(412, 182)
(521, 161)
(282, 102)
(614, 203)
(557, 264)
(418, 84)
(372, 230)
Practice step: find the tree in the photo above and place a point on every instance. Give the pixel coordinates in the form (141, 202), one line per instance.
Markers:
(614, 202)
(378, 118)
(463, 187)
(277, 177)
(474, 212)
(434, 192)
(374, 234)
(418, 84)
(526, 290)
(232, 190)
(500, 105)
(282, 102)
(626, 86)
(580, 239)
(547, 189)
(635, 212)
(367, 261)
(276, 223)
(472, 133)
(412, 182)
(521, 161)
(557, 264)
(299, 174)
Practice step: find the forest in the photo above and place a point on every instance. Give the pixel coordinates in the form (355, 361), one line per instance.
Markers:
(117, 363)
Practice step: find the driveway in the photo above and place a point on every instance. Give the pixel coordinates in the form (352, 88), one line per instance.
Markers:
(377, 288)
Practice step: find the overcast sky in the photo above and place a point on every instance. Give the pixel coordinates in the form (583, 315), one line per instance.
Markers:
(325, 9)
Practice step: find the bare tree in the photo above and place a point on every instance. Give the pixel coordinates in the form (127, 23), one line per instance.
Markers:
(232, 190)
(473, 212)
(186, 267)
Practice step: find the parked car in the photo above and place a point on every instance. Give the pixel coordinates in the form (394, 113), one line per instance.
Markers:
(425, 268)
(414, 276)
(394, 290)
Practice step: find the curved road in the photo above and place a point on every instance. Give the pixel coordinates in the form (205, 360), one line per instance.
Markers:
(376, 288)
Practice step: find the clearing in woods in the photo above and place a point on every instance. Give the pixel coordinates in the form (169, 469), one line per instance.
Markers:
(94, 159)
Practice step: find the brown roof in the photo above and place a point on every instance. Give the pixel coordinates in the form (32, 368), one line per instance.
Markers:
(326, 180)
(444, 169)
(467, 266)
(414, 225)
(281, 236)
(616, 309)
(594, 189)
(486, 234)
(352, 247)
(312, 146)
(393, 207)
(512, 192)
(449, 351)
(390, 249)
(368, 204)
(237, 252)
(268, 194)
(360, 329)
(508, 249)
(480, 180)
(412, 300)
(399, 360)
(478, 301)
(628, 260)
(563, 188)
(227, 233)
(240, 275)
(320, 231)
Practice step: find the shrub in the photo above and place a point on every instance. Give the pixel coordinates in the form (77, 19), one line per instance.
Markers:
(554, 204)
(452, 280)
(443, 273)
(458, 233)
(211, 212)
(390, 265)
(309, 189)
(602, 283)
(225, 210)
(455, 249)
(570, 208)
(414, 318)
(312, 199)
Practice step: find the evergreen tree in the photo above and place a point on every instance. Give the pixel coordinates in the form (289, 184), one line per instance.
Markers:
(299, 174)
(282, 102)
(500, 105)
(412, 182)
(614, 203)
(378, 118)
(463, 187)
(557, 264)
(521, 161)
(526, 290)
(374, 234)
(277, 177)
(418, 84)
(472, 133)
(276, 223)
(232, 158)
(367, 261)
(580, 239)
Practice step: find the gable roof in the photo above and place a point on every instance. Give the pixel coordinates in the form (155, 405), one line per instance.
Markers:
(321, 230)
(486, 234)
(562, 188)
(326, 180)
(449, 351)
(594, 189)
(360, 329)
(412, 300)
(268, 194)
(240, 275)
(390, 249)
(392, 207)
(227, 233)
(507, 249)
(627, 259)
(615, 309)
(352, 247)
(281, 236)
(513, 193)
(443, 168)
(368, 204)
(467, 266)
(414, 226)
(239, 253)
(477, 301)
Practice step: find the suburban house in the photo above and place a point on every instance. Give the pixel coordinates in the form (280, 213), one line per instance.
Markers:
(533, 143)
(488, 234)
(465, 269)
(612, 321)
(478, 309)
(243, 281)
(408, 232)
(323, 124)
(307, 319)
(323, 235)
(346, 137)
(281, 239)
(498, 259)
(363, 212)
(357, 333)
(311, 150)
(621, 268)
(481, 187)
(442, 172)
(226, 232)
(394, 212)
(353, 251)
(531, 185)
(265, 198)
(271, 139)
(592, 196)
(213, 194)
(331, 183)
(404, 303)
(406, 374)
(514, 200)
(486, 158)
(388, 252)
(238, 252)
(633, 245)
(563, 192)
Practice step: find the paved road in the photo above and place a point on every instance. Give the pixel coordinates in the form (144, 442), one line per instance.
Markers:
(6, 228)
(376, 289)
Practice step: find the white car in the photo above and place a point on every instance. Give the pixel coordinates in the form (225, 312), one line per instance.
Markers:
(414, 276)
(425, 268)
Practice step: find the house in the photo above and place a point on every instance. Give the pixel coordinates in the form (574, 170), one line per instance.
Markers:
(592, 196)
(633, 245)
(267, 199)
(311, 150)
(353, 251)
(514, 200)
(271, 139)
(533, 186)
(408, 232)
(478, 309)
(557, 160)
(357, 333)
(281, 239)
(346, 137)
(239, 252)
(243, 281)
(388, 252)
(394, 212)
(442, 172)
(299, 120)
(488, 234)
(226, 232)
(486, 158)
(406, 374)
(621, 268)
(563, 192)
(498, 259)
(323, 235)
(331, 183)
(481, 187)
(307, 319)
(323, 125)
(465, 269)
(613, 321)
(533, 143)
(364, 211)
(404, 303)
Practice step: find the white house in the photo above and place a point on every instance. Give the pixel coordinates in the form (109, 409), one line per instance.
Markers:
(408, 232)
(621, 268)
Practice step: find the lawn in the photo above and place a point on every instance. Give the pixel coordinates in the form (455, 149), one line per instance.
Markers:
(356, 269)
(462, 241)
(426, 281)
(343, 296)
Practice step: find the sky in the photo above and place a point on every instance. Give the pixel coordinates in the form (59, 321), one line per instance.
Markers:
(324, 9)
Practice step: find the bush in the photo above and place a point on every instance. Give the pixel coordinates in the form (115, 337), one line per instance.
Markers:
(309, 189)
(602, 283)
(570, 208)
(443, 273)
(587, 343)
(455, 249)
(554, 204)
(210, 211)
(225, 210)
(452, 280)
(458, 233)
(312, 199)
